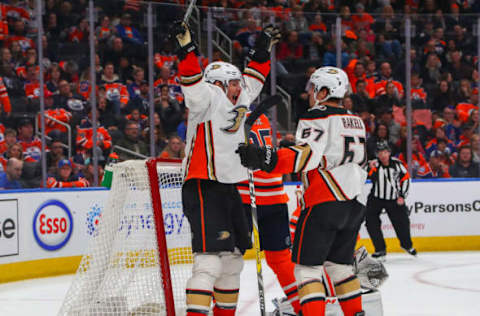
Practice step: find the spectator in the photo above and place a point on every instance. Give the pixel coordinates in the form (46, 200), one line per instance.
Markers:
(432, 145)
(132, 142)
(140, 101)
(476, 148)
(134, 87)
(297, 21)
(317, 25)
(84, 139)
(117, 50)
(89, 168)
(385, 77)
(380, 135)
(52, 127)
(9, 178)
(127, 32)
(9, 138)
(64, 178)
(104, 31)
(70, 101)
(361, 19)
(464, 167)
(457, 67)
(31, 145)
(452, 126)
(361, 99)
(6, 107)
(182, 127)
(79, 34)
(245, 38)
(388, 28)
(18, 35)
(291, 48)
(438, 167)
(15, 150)
(175, 148)
(109, 75)
(387, 100)
(55, 154)
(386, 117)
(466, 136)
(140, 119)
(55, 74)
(169, 110)
(418, 94)
(443, 96)
(432, 71)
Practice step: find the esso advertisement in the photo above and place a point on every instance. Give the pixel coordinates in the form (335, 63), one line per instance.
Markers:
(52, 225)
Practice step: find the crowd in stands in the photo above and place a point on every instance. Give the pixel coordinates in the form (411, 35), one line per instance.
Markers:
(444, 77)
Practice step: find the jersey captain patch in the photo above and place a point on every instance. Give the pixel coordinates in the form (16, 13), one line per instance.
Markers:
(239, 113)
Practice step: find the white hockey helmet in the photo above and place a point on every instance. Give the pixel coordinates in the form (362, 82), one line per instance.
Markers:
(223, 72)
(332, 78)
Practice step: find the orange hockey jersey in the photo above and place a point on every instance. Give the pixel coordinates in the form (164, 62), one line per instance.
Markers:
(4, 99)
(59, 114)
(269, 188)
(117, 89)
(85, 139)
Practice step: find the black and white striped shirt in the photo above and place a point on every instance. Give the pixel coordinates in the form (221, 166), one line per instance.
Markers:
(389, 182)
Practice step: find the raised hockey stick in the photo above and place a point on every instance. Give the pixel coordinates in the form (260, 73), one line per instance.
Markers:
(254, 115)
(189, 11)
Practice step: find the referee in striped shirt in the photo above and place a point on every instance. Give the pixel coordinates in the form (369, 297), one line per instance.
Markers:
(391, 182)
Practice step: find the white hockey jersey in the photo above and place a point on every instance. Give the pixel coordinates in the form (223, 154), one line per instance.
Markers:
(331, 155)
(215, 125)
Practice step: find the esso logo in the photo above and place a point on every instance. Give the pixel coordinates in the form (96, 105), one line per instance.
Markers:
(52, 225)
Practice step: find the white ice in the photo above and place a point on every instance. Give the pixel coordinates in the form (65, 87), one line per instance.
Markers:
(433, 284)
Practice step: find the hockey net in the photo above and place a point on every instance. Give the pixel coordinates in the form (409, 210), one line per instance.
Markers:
(140, 256)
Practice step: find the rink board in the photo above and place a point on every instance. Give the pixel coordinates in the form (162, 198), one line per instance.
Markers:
(45, 232)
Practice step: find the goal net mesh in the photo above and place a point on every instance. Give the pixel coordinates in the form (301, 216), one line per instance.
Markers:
(120, 273)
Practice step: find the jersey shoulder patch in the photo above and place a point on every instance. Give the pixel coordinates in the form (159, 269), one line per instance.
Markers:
(322, 111)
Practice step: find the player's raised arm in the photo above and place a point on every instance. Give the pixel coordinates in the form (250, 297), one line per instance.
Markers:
(256, 71)
(197, 92)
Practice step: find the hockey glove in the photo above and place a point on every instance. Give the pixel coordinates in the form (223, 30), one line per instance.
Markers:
(254, 157)
(269, 36)
(181, 32)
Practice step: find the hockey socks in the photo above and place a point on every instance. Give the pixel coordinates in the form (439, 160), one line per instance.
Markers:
(281, 263)
(225, 302)
(198, 302)
(312, 298)
(349, 295)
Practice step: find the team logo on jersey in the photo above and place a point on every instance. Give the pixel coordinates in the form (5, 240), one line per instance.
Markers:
(239, 113)
(223, 235)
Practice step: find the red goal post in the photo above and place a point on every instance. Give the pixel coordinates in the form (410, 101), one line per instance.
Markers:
(160, 229)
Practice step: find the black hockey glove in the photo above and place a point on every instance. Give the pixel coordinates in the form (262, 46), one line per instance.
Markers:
(180, 32)
(254, 157)
(269, 36)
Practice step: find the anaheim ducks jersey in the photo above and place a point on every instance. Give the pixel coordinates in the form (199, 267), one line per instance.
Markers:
(269, 188)
(215, 125)
(330, 154)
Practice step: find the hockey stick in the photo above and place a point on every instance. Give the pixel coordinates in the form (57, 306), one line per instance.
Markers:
(254, 115)
(189, 11)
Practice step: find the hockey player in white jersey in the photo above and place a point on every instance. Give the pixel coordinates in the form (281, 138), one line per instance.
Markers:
(330, 152)
(218, 102)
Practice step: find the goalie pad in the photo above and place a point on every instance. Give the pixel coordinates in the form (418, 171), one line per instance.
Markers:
(369, 271)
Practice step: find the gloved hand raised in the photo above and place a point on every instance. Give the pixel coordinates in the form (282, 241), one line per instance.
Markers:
(269, 36)
(254, 157)
(181, 32)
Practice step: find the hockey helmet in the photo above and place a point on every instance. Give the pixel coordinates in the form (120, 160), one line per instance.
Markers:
(223, 72)
(334, 79)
